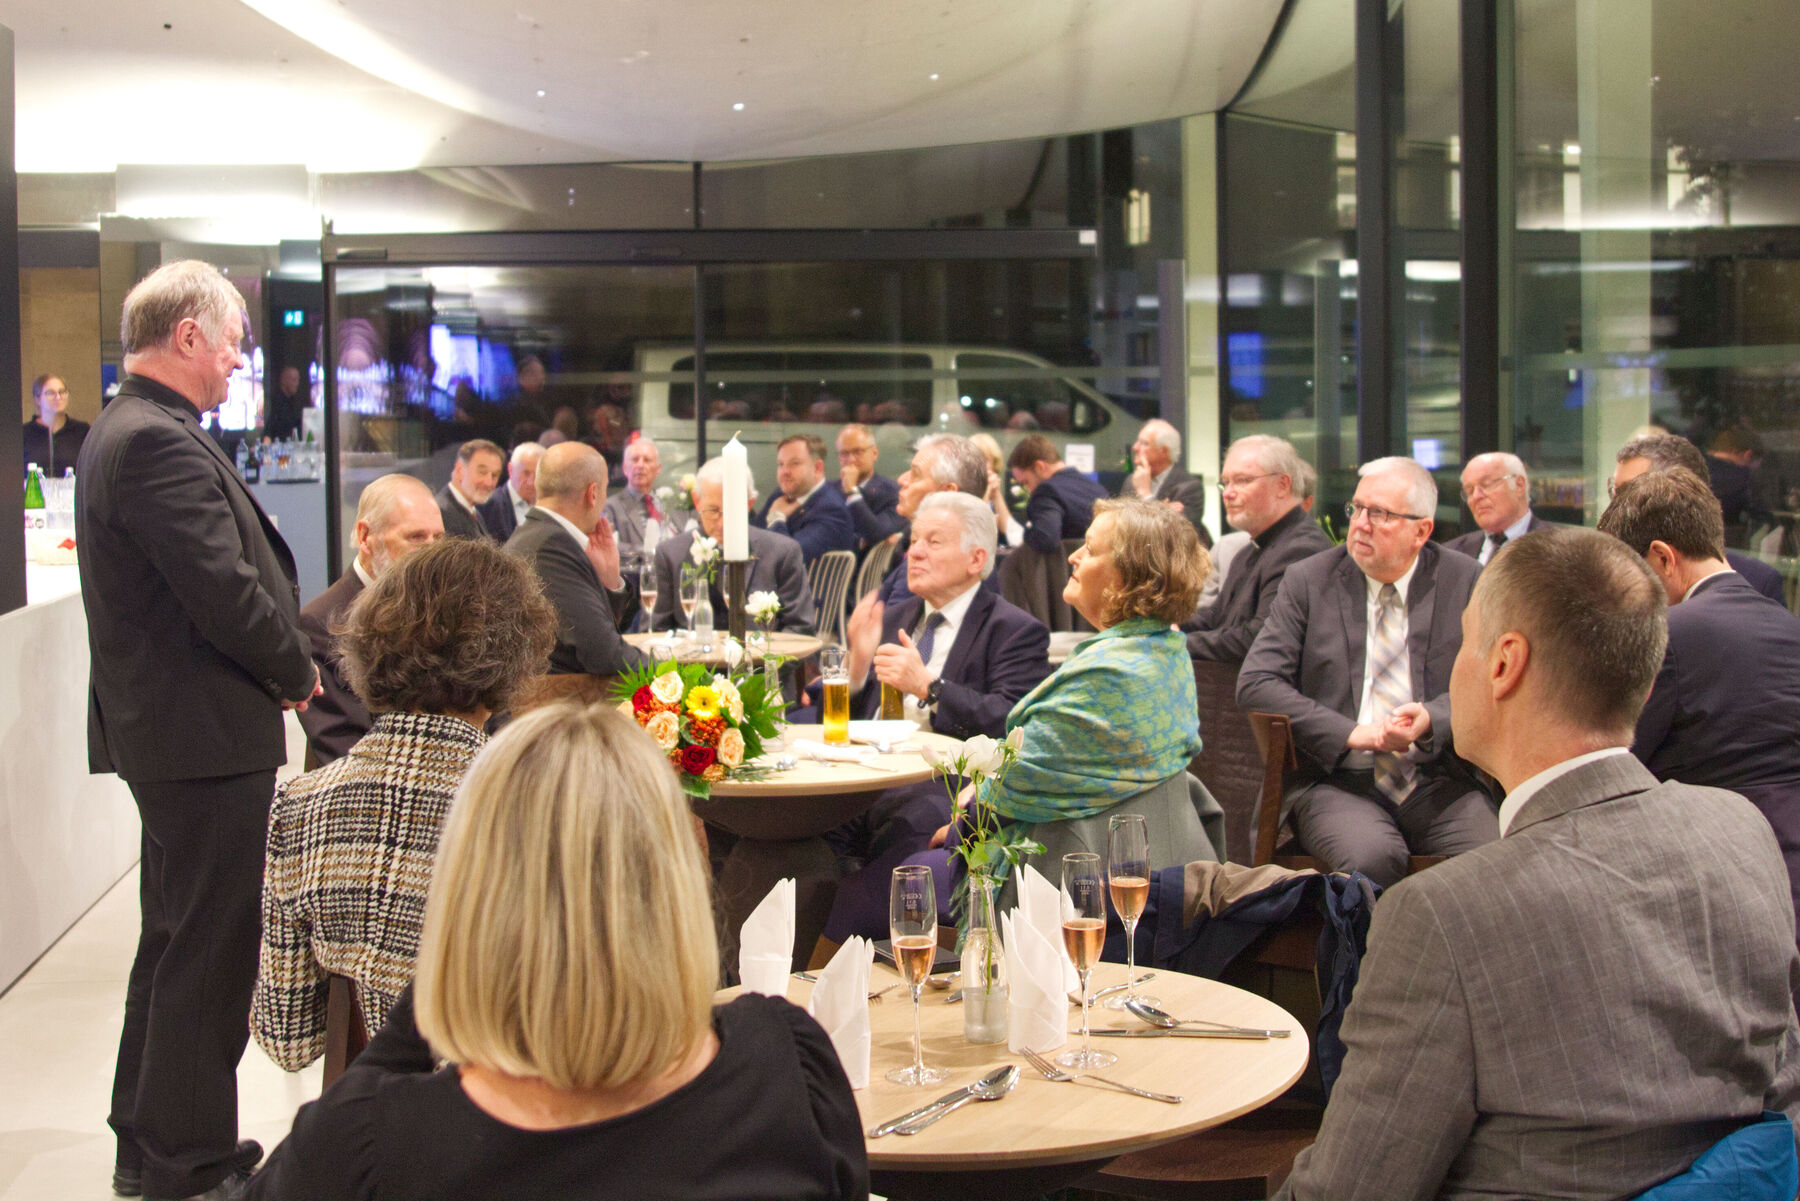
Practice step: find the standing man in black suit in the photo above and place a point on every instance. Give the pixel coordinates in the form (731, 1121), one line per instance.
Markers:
(1497, 490)
(193, 632)
(1062, 499)
(395, 515)
(472, 481)
(1262, 479)
(803, 508)
(507, 506)
(776, 563)
(870, 498)
(570, 545)
(1160, 475)
(1357, 653)
(1726, 706)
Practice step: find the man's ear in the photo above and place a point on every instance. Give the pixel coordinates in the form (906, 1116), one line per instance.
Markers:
(1507, 661)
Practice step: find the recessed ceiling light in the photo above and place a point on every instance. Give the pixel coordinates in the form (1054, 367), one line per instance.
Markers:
(738, 107)
(540, 93)
(934, 76)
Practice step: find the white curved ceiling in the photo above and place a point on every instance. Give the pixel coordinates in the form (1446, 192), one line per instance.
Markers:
(357, 85)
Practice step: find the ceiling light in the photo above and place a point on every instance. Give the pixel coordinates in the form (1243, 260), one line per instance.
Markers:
(540, 93)
(934, 77)
(738, 107)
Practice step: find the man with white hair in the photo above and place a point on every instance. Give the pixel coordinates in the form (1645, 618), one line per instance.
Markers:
(395, 516)
(1497, 490)
(1356, 652)
(776, 564)
(1160, 475)
(632, 508)
(507, 507)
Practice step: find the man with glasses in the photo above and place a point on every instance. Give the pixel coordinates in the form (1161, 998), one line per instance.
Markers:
(1498, 493)
(871, 498)
(53, 438)
(1357, 652)
(1261, 481)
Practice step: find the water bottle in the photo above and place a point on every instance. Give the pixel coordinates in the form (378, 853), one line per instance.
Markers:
(36, 518)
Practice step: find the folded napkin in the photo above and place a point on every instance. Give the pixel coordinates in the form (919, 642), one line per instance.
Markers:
(1037, 1004)
(766, 943)
(843, 754)
(840, 1003)
(1040, 904)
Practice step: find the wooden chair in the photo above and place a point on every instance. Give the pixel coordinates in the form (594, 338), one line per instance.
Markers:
(829, 575)
(876, 562)
(345, 1033)
(1229, 760)
(1246, 1159)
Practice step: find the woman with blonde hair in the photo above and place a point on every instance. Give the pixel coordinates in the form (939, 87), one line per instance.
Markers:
(566, 973)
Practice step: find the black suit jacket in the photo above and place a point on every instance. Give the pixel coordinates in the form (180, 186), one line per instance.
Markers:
(459, 522)
(1725, 710)
(587, 631)
(876, 515)
(336, 718)
(1224, 633)
(1308, 661)
(496, 513)
(193, 613)
(1470, 543)
(821, 524)
(1060, 507)
(1001, 652)
(776, 566)
(1189, 491)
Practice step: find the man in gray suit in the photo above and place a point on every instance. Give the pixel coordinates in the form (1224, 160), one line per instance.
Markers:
(1356, 652)
(1584, 1006)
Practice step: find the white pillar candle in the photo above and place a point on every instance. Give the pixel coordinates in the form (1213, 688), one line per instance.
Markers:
(737, 501)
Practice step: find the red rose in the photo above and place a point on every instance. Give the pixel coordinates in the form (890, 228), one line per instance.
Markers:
(696, 759)
(642, 702)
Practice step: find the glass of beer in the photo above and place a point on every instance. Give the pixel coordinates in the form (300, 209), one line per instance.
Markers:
(834, 671)
(893, 703)
(912, 923)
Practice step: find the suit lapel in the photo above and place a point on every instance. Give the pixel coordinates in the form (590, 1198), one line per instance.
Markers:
(1353, 600)
(1421, 604)
(974, 617)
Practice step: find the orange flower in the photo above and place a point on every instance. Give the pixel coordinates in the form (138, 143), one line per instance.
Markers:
(731, 748)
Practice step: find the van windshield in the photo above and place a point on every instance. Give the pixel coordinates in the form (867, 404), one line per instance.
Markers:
(829, 386)
(1004, 392)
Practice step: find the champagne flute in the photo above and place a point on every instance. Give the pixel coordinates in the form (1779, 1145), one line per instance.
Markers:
(690, 597)
(647, 592)
(1084, 930)
(1128, 879)
(912, 923)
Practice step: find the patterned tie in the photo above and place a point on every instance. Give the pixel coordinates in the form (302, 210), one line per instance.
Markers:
(1393, 774)
(926, 636)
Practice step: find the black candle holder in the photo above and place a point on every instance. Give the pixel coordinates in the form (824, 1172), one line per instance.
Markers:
(737, 585)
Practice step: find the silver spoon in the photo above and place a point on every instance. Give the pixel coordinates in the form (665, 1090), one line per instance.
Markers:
(1156, 1017)
(988, 1089)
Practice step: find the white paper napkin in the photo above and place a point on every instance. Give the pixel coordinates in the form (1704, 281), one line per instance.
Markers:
(843, 754)
(1040, 903)
(766, 943)
(840, 1003)
(1037, 1005)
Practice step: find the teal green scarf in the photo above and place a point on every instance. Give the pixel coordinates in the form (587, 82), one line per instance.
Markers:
(1117, 718)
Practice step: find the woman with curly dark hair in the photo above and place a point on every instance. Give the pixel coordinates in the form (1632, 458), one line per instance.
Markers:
(439, 643)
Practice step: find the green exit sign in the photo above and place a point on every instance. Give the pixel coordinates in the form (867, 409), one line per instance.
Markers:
(294, 317)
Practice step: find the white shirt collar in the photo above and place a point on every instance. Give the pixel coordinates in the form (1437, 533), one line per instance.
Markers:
(581, 539)
(1400, 585)
(953, 612)
(1519, 528)
(1695, 586)
(1515, 800)
(468, 506)
(813, 491)
(368, 580)
(519, 502)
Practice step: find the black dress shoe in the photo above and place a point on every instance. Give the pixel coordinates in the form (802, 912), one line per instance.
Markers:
(129, 1182)
(232, 1188)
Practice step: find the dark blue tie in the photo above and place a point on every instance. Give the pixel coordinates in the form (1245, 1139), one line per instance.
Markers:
(927, 636)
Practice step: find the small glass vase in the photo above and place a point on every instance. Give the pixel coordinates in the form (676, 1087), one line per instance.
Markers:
(703, 614)
(983, 967)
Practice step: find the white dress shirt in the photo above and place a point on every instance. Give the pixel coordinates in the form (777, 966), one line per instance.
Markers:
(1515, 800)
(520, 505)
(468, 506)
(1365, 715)
(954, 612)
(581, 539)
(775, 517)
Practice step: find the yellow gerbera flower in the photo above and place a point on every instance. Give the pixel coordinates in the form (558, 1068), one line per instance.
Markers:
(702, 698)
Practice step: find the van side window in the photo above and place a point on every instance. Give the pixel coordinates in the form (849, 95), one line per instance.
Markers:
(1007, 393)
(822, 386)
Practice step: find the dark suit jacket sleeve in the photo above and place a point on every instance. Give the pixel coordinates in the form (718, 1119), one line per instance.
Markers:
(168, 496)
(1044, 520)
(826, 528)
(1018, 660)
(1658, 715)
(668, 585)
(337, 718)
(1405, 1104)
(1268, 681)
(585, 613)
(1229, 644)
(799, 615)
(875, 516)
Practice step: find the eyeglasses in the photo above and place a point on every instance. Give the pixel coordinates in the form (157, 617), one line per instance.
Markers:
(1486, 486)
(854, 450)
(54, 392)
(1244, 481)
(1380, 518)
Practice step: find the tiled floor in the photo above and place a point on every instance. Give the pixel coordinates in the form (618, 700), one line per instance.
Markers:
(59, 1032)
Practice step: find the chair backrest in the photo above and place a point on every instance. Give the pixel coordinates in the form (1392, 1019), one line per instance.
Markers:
(874, 569)
(829, 575)
(1229, 760)
(345, 1032)
(1275, 742)
(1034, 582)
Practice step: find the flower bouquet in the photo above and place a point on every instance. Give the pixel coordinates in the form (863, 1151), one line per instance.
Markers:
(710, 726)
(679, 499)
(702, 561)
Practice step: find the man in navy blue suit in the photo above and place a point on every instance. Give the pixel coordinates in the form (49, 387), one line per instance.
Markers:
(804, 508)
(871, 498)
(1726, 704)
(1497, 489)
(1062, 499)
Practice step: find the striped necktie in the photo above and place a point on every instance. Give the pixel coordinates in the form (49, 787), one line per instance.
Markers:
(1394, 775)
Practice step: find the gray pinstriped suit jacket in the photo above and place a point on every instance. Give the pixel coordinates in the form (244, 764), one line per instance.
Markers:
(1575, 1011)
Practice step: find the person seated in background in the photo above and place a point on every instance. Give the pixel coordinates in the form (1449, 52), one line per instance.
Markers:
(473, 479)
(1584, 1007)
(1726, 705)
(1062, 499)
(1667, 452)
(1160, 476)
(1497, 489)
(507, 507)
(1260, 481)
(395, 515)
(1731, 472)
(940, 463)
(52, 438)
(632, 508)
(566, 974)
(776, 564)
(1356, 652)
(435, 646)
(803, 508)
(871, 498)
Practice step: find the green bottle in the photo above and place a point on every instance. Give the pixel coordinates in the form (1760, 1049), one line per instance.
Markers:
(35, 514)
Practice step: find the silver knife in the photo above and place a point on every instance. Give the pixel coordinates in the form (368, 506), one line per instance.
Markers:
(1179, 1034)
(948, 1099)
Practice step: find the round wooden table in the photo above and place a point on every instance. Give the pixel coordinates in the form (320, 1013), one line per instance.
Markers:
(785, 646)
(1044, 1134)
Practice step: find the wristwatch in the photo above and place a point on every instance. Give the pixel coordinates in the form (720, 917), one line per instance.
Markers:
(932, 692)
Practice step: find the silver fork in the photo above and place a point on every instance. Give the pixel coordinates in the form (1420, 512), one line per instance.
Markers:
(1052, 1072)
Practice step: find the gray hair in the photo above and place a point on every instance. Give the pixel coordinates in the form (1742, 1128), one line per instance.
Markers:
(977, 520)
(378, 501)
(713, 472)
(1666, 452)
(956, 461)
(1164, 435)
(1276, 456)
(1306, 482)
(525, 450)
(187, 289)
(1421, 489)
(567, 469)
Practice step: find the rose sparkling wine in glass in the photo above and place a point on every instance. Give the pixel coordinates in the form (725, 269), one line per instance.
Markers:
(1084, 930)
(912, 924)
(1128, 879)
(647, 595)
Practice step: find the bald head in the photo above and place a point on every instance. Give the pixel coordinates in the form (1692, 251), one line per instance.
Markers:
(571, 480)
(1497, 490)
(395, 516)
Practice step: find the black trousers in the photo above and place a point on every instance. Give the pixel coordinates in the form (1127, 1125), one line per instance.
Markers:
(187, 1006)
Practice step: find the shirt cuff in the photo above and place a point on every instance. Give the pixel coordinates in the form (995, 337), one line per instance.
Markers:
(854, 495)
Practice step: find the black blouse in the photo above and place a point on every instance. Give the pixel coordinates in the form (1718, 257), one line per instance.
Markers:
(772, 1116)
